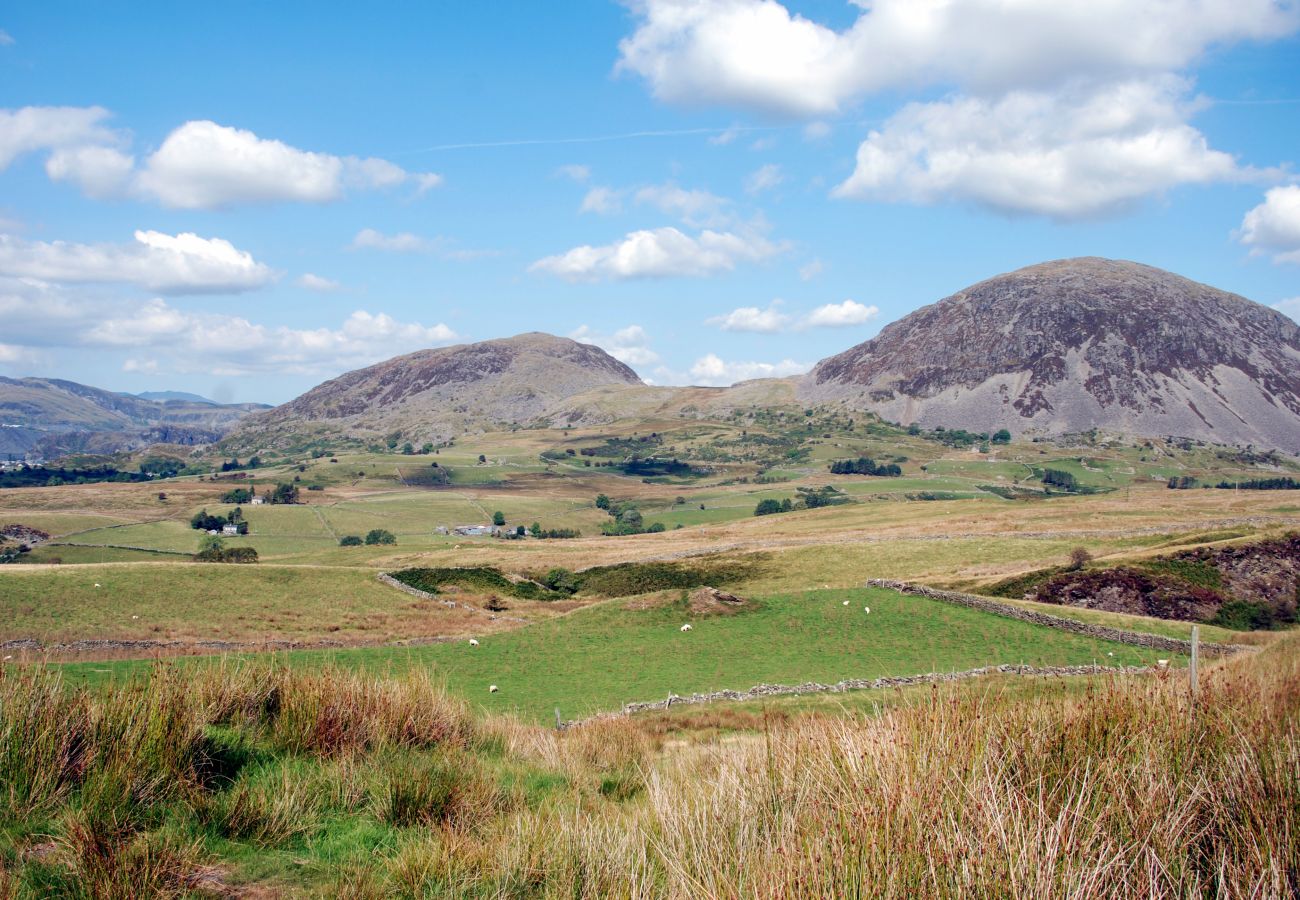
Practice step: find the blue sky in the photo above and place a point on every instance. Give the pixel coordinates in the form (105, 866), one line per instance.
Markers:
(245, 199)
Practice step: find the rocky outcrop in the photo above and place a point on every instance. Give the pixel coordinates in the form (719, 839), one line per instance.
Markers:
(1076, 344)
(709, 601)
(1123, 589)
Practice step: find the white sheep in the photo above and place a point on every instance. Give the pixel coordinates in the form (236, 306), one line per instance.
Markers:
(96, 584)
(492, 688)
(473, 642)
(846, 603)
(1162, 663)
(686, 627)
(866, 609)
(135, 617)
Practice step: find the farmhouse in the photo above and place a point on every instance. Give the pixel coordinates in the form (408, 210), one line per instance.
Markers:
(230, 529)
(475, 530)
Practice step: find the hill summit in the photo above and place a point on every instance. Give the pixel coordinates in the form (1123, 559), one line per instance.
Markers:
(434, 394)
(1075, 344)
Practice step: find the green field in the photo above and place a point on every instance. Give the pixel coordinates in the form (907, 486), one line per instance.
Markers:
(599, 658)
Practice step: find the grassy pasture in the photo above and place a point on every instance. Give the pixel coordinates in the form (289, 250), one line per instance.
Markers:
(602, 656)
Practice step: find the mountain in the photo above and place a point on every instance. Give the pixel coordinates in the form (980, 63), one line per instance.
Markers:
(164, 396)
(1075, 344)
(432, 395)
(48, 417)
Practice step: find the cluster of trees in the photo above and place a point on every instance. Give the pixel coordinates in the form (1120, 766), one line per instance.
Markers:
(865, 465)
(1182, 483)
(808, 498)
(213, 549)
(1061, 479)
(284, 493)
(234, 464)
(772, 506)
(627, 519)
(203, 521)
(161, 466)
(373, 537)
(537, 531)
(1284, 483)
(40, 476)
(239, 495)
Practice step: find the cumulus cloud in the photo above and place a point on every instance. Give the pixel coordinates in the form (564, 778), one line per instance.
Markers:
(757, 53)
(318, 283)
(841, 315)
(630, 345)
(1274, 226)
(1083, 152)
(713, 371)
(659, 253)
(169, 264)
(751, 318)
(1084, 112)
(203, 165)
(101, 172)
(763, 179)
(695, 207)
(37, 128)
(200, 165)
(773, 321)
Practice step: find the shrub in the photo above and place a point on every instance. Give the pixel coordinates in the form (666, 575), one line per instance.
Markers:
(767, 507)
(380, 536)
(350, 540)
(1079, 557)
(1243, 615)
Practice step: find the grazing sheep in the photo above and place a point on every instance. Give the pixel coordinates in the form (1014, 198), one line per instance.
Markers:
(96, 584)
(686, 627)
(1162, 663)
(473, 642)
(866, 609)
(846, 603)
(492, 689)
(135, 617)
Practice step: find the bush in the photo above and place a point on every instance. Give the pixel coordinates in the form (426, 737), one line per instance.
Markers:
(767, 507)
(1079, 557)
(380, 536)
(350, 540)
(1243, 615)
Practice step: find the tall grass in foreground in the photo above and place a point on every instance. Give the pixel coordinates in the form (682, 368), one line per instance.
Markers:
(391, 788)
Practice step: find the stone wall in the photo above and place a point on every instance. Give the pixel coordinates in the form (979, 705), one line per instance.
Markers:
(1134, 638)
(759, 691)
(425, 595)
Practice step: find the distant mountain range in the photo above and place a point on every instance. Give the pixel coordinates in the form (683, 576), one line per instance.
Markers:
(164, 396)
(49, 417)
(1057, 348)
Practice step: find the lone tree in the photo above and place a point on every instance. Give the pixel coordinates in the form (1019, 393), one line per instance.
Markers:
(602, 502)
(498, 518)
(350, 540)
(1079, 557)
(380, 536)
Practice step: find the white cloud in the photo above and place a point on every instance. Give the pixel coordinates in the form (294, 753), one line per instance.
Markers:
(602, 201)
(630, 345)
(841, 315)
(758, 54)
(722, 138)
(811, 269)
(203, 165)
(169, 264)
(763, 179)
(141, 366)
(14, 356)
(232, 345)
(713, 371)
(405, 242)
(99, 171)
(318, 283)
(695, 207)
(751, 318)
(36, 128)
(1290, 306)
(6, 39)
(773, 321)
(1076, 154)
(1274, 225)
(200, 165)
(659, 253)
(575, 172)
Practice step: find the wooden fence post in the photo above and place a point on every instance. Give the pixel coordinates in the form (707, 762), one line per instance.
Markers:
(1191, 670)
